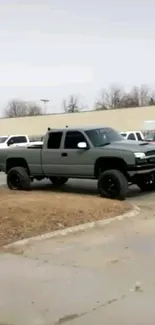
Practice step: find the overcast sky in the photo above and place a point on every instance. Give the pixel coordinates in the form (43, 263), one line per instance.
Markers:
(53, 48)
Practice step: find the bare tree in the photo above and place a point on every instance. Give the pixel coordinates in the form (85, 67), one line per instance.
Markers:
(111, 99)
(134, 95)
(144, 95)
(139, 96)
(151, 101)
(71, 105)
(102, 103)
(35, 110)
(115, 97)
(18, 108)
(131, 98)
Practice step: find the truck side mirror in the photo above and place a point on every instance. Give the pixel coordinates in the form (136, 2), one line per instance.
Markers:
(82, 145)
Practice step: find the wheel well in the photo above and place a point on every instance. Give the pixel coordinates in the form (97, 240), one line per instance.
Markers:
(103, 164)
(14, 162)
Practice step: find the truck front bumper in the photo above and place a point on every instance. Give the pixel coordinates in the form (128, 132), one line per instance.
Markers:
(141, 169)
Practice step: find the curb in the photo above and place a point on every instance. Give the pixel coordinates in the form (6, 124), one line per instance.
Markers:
(82, 227)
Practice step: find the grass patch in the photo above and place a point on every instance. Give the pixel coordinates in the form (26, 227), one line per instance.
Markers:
(27, 214)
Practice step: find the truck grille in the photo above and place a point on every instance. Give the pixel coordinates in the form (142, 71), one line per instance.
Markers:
(150, 153)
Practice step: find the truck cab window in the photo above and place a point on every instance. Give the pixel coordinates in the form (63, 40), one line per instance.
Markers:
(13, 140)
(73, 138)
(131, 136)
(21, 139)
(54, 140)
(139, 136)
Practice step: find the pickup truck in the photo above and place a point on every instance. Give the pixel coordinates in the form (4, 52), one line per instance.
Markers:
(133, 135)
(17, 140)
(98, 153)
(150, 137)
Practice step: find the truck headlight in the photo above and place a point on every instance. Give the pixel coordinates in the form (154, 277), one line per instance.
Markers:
(139, 155)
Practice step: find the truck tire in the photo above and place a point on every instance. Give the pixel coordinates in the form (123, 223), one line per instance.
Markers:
(146, 183)
(112, 184)
(58, 181)
(18, 179)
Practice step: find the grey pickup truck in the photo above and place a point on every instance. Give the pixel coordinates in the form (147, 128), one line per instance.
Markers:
(98, 153)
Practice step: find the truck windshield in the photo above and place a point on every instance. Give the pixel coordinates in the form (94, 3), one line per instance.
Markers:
(101, 137)
(123, 135)
(3, 139)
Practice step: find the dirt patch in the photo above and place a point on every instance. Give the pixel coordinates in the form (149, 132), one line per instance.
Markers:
(27, 214)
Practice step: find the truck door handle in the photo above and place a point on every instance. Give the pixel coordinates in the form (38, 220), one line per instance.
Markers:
(64, 154)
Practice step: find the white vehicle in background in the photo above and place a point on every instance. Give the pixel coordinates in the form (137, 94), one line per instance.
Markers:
(17, 141)
(133, 135)
(149, 126)
(149, 131)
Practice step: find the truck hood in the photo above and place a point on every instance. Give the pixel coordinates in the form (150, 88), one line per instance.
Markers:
(3, 145)
(131, 145)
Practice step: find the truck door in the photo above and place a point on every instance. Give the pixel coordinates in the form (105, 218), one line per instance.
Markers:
(51, 154)
(76, 162)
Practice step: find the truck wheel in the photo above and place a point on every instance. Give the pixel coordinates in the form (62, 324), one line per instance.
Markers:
(18, 179)
(112, 184)
(146, 182)
(58, 181)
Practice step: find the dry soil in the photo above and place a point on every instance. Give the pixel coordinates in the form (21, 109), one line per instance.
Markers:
(27, 214)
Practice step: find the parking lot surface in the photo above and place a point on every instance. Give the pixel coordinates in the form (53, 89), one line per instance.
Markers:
(103, 276)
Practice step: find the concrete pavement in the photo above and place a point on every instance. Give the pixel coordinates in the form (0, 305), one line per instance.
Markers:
(103, 276)
(84, 278)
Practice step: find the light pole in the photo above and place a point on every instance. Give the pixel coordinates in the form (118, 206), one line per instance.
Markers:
(44, 101)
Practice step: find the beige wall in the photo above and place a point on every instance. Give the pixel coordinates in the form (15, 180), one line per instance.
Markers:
(121, 119)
